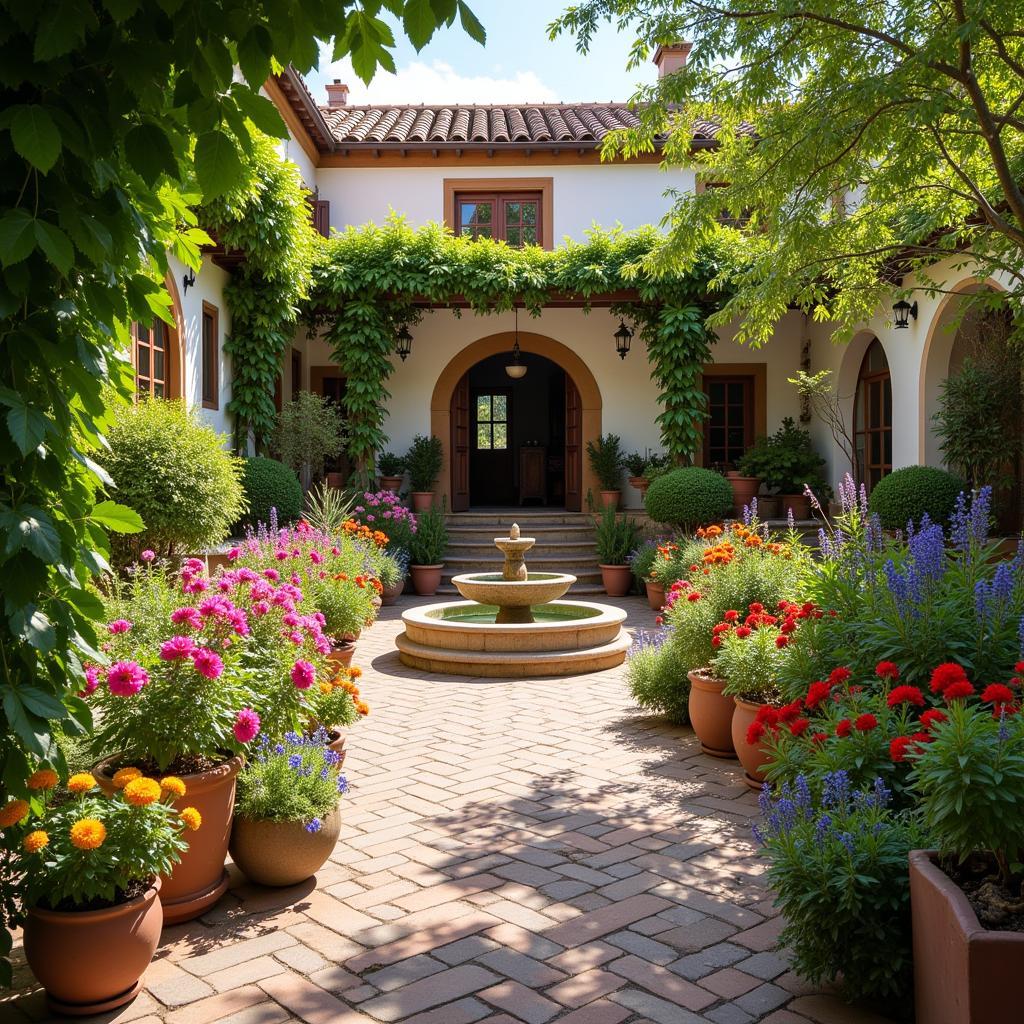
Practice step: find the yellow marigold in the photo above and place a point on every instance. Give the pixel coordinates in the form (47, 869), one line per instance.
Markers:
(192, 818)
(140, 792)
(45, 778)
(88, 834)
(325, 687)
(82, 782)
(124, 776)
(362, 707)
(13, 812)
(172, 784)
(35, 841)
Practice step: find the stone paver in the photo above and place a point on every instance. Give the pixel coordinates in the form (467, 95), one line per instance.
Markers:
(513, 852)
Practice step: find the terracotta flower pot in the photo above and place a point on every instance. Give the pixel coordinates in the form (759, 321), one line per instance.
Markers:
(610, 499)
(422, 501)
(391, 483)
(426, 579)
(655, 595)
(744, 489)
(711, 713)
(753, 758)
(92, 962)
(799, 503)
(640, 483)
(769, 506)
(341, 654)
(199, 880)
(336, 737)
(282, 852)
(962, 971)
(389, 595)
(617, 579)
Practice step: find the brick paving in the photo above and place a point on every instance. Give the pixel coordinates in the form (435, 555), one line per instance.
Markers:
(514, 852)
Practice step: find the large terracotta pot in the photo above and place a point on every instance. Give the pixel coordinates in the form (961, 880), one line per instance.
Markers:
(391, 483)
(655, 595)
(426, 579)
(92, 962)
(194, 885)
(963, 972)
(799, 503)
(744, 489)
(753, 758)
(711, 713)
(617, 579)
(422, 501)
(769, 506)
(610, 499)
(640, 483)
(282, 852)
(389, 595)
(341, 654)
(336, 737)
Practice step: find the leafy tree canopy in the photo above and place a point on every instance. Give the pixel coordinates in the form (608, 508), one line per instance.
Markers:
(886, 136)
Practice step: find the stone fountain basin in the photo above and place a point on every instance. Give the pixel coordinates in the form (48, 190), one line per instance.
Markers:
(491, 588)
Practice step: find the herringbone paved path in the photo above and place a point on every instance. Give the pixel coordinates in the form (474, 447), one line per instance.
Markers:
(524, 851)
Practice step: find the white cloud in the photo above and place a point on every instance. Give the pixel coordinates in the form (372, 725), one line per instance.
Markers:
(436, 82)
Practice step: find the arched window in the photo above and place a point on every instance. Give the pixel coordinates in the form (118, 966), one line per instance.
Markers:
(872, 416)
(154, 359)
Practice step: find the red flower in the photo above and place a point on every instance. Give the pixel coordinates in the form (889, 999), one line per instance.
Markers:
(659, 621)
(788, 626)
(819, 737)
(945, 675)
(781, 640)
(799, 727)
(887, 670)
(721, 627)
(898, 748)
(768, 715)
(838, 676)
(693, 595)
(865, 722)
(716, 642)
(790, 712)
(1019, 667)
(997, 693)
(957, 690)
(906, 695)
(756, 606)
(932, 717)
(755, 731)
(742, 631)
(731, 616)
(921, 737)
(816, 693)
(843, 727)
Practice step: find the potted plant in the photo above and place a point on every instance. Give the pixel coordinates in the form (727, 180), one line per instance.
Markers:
(423, 461)
(310, 431)
(606, 460)
(391, 572)
(788, 463)
(390, 467)
(744, 488)
(635, 465)
(688, 498)
(427, 548)
(287, 819)
(965, 896)
(641, 562)
(89, 875)
(616, 538)
(334, 706)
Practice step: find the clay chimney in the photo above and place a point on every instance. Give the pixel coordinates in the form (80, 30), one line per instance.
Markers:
(337, 94)
(671, 58)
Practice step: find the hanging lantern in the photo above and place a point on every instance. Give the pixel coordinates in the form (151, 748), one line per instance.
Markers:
(623, 336)
(902, 312)
(403, 343)
(516, 369)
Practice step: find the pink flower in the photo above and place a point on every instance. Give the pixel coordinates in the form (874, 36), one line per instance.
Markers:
(188, 617)
(303, 675)
(261, 607)
(239, 621)
(247, 725)
(126, 678)
(315, 557)
(272, 574)
(290, 619)
(92, 681)
(193, 565)
(207, 663)
(335, 551)
(233, 553)
(215, 606)
(119, 626)
(322, 644)
(195, 586)
(296, 638)
(280, 555)
(148, 555)
(177, 648)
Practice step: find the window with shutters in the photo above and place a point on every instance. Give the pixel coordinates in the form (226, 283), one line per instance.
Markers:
(210, 357)
(513, 217)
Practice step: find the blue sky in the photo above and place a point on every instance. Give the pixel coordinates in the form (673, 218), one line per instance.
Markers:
(517, 65)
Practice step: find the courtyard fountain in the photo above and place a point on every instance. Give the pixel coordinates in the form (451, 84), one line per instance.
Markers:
(513, 625)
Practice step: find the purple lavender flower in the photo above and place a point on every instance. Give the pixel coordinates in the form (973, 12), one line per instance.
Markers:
(882, 793)
(764, 799)
(342, 784)
(847, 840)
(790, 519)
(314, 826)
(803, 794)
(1004, 729)
(836, 789)
(295, 761)
(821, 829)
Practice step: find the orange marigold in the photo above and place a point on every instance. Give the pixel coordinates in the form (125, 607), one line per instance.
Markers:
(362, 707)
(355, 673)
(141, 792)
(191, 817)
(81, 782)
(35, 841)
(172, 784)
(124, 776)
(12, 812)
(325, 687)
(88, 834)
(45, 778)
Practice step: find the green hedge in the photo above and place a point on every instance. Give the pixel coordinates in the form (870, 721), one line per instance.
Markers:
(270, 484)
(907, 494)
(689, 497)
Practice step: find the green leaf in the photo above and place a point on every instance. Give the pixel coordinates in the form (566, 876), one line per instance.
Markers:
(260, 111)
(60, 31)
(31, 528)
(118, 518)
(470, 24)
(149, 151)
(57, 246)
(34, 628)
(218, 166)
(254, 53)
(18, 719)
(17, 236)
(26, 425)
(419, 22)
(35, 137)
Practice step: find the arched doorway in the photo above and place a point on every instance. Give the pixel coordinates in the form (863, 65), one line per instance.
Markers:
(519, 442)
(872, 417)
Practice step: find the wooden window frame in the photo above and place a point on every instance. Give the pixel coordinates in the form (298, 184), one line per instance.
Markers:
(864, 380)
(210, 360)
(491, 392)
(296, 361)
(504, 188)
(759, 372)
(171, 379)
(748, 382)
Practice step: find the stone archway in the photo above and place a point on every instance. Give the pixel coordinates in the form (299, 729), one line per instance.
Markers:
(494, 344)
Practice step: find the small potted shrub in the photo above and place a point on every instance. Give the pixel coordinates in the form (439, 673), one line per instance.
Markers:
(907, 495)
(391, 570)
(635, 465)
(287, 819)
(965, 897)
(89, 875)
(427, 549)
(334, 705)
(788, 464)
(616, 537)
(606, 460)
(656, 680)
(310, 430)
(641, 562)
(688, 498)
(390, 467)
(423, 461)
(268, 485)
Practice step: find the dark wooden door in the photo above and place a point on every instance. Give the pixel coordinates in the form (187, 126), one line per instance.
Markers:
(491, 468)
(729, 430)
(332, 387)
(460, 445)
(573, 447)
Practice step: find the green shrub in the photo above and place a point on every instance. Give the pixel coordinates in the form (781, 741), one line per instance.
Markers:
(786, 462)
(606, 460)
(615, 537)
(907, 494)
(642, 558)
(689, 497)
(174, 471)
(657, 680)
(270, 484)
(423, 461)
(310, 430)
(430, 541)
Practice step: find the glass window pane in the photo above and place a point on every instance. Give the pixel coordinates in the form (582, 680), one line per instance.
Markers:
(514, 236)
(158, 364)
(501, 435)
(158, 390)
(718, 415)
(529, 236)
(887, 403)
(160, 336)
(143, 360)
(483, 435)
(875, 411)
(888, 447)
(142, 332)
(876, 448)
(484, 232)
(483, 407)
(736, 394)
(716, 392)
(530, 213)
(513, 214)
(736, 437)
(500, 407)
(467, 230)
(718, 437)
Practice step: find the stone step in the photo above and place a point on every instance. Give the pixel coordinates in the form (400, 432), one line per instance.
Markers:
(542, 532)
(482, 551)
(525, 518)
(586, 561)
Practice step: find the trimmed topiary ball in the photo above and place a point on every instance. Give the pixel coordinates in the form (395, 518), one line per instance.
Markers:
(271, 484)
(689, 497)
(907, 494)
